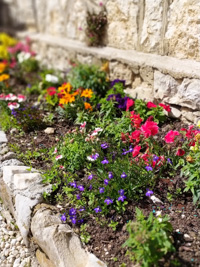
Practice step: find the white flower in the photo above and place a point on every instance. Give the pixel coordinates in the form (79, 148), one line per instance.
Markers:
(21, 98)
(90, 158)
(96, 130)
(13, 105)
(55, 150)
(59, 157)
(23, 56)
(10, 97)
(155, 199)
(51, 78)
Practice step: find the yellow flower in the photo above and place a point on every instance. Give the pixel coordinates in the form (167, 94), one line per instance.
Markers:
(198, 124)
(65, 87)
(189, 159)
(2, 67)
(197, 137)
(4, 77)
(87, 93)
(87, 106)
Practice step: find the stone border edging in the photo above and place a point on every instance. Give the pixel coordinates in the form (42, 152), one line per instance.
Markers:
(21, 192)
(177, 68)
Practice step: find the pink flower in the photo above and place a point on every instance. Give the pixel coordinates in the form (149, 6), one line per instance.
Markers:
(129, 103)
(55, 151)
(21, 98)
(2, 96)
(101, 3)
(13, 105)
(149, 128)
(169, 137)
(59, 157)
(61, 167)
(180, 152)
(83, 125)
(136, 151)
(151, 105)
(10, 97)
(166, 107)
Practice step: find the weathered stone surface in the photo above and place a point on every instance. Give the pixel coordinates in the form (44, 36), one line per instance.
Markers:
(152, 26)
(183, 29)
(165, 86)
(43, 260)
(147, 74)
(49, 130)
(122, 23)
(8, 156)
(187, 114)
(58, 241)
(175, 113)
(20, 191)
(120, 71)
(143, 92)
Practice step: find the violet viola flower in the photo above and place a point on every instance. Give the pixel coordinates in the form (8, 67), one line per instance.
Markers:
(149, 193)
(90, 187)
(149, 168)
(110, 175)
(91, 176)
(108, 201)
(73, 220)
(155, 158)
(124, 175)
(106, 181)
(121, 192)
(72, 212)
(82, 209)
(73, 184)
(121, 198)
(80, 221)
(78, 197)
(63, 218)
(101, 190)
(105, 161)
(104, 145)
(81, 187)
(97, 209)
(169, 160)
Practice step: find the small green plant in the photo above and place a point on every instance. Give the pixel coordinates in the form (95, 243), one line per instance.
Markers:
(113, 225)
(149, 239)
(85, 237)
(95, 29)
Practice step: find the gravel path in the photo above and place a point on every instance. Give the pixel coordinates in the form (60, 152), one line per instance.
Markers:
(13, 252)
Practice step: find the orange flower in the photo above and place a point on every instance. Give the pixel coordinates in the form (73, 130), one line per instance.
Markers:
(65, 87)
(87, 106)
(4, 77)
(87, 93)
(66, 98)
(2, 67)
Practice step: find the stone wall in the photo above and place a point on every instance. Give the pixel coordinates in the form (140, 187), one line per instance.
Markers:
(152, 44)
(164, 27)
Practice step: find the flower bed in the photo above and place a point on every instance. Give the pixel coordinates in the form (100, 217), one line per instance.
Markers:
(123, 173)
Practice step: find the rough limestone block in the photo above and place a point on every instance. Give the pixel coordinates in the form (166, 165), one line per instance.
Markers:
(20, 191)
(58, 242)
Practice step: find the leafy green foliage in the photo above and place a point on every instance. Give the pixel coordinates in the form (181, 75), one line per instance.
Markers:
(149, 239)
(90, 77)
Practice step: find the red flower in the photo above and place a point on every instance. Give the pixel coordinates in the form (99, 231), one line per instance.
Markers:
(180, 152)
(135, 135)
(166, 107)
(51, 91)
(129, 103)
(136, 120)
(136, 151)
(149, 128)
(151, 105)
(169, 137)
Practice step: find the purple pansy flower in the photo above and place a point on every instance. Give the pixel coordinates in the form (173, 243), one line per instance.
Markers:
(73, 184)
(97, 209)
(110, 175)
(121, 198)
(121, 192)
(81, 187)
(105, 161)
(124, 175)
(101, 190)
(169, 160)
(63, 218)
(106, 181)
(155, 158)
(108, 201)
(149, 168)
(72, 212)
(78, 197)
(90, 176)
(104, 145)
(149, 193)
(73, 220)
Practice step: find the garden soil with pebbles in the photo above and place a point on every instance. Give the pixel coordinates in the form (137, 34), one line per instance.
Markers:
(106, 243)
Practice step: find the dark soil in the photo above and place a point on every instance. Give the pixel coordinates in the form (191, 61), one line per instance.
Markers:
(106, 243)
